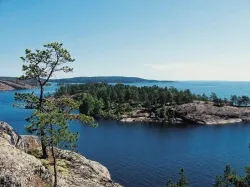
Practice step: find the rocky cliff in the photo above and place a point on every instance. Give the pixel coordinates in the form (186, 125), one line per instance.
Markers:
(21, 165)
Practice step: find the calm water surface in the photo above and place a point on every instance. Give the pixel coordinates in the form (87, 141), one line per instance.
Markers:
(148, 154)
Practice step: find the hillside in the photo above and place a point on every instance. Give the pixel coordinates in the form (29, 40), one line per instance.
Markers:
(104, 79)
(11, 83)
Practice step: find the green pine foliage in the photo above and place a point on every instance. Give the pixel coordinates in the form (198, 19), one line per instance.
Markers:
(230, 178)
(106, 101)
(182, 182)
(50, 117)
(110, 101)
(41, 65)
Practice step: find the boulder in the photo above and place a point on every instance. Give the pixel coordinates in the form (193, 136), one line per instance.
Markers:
(7, 132)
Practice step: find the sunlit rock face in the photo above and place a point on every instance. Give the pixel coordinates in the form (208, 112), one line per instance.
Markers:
(207, 113)
(20, 164)
(14, 84)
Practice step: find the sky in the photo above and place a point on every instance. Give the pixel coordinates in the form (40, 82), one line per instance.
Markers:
(153, 39)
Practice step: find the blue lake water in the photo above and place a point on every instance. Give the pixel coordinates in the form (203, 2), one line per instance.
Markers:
(148, 155)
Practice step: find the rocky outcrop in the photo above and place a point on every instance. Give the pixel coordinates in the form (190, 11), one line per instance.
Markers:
(198, 112)
(20, 164)
(208, 113)
(138, 116)
(6, 85)
(146, 116)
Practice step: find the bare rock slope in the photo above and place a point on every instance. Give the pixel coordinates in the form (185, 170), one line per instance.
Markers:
(207, 113)
(14, 85)
(19, 166)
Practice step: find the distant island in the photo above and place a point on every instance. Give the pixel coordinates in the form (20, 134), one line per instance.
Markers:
(155, 104)
(104, 79)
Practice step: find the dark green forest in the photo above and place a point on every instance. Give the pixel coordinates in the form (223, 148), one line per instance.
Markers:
(106, 101)
(110, 101)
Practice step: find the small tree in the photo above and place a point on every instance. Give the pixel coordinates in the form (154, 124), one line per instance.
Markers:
(231, 178)
(204, 97)
(183, 182)
(239, 101)
(234, 99)
(213, 97)
(245, 100)
(40, 66)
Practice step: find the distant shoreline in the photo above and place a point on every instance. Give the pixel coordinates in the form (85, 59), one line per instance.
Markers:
(108, 79)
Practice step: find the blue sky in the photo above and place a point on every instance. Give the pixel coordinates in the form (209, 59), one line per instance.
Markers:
(156, 39)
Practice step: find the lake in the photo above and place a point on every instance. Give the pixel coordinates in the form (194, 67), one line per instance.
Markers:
(147, 155)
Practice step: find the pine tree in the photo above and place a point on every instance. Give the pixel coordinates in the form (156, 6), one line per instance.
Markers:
(50, 116)
(183, 182)
(40, 66)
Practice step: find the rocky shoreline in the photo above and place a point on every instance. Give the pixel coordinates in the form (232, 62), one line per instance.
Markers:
(20, 166)
(209, 114)
(7, 85)
(197, 112)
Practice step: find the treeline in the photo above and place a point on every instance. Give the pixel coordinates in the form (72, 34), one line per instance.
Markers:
(121, 93)
(102, 100)
(240, 100)
(233, 101)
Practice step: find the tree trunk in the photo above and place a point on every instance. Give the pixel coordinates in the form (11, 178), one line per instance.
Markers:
(41, 97)
(43, 139)
(54, 160)
(44, 145)
(53, 155)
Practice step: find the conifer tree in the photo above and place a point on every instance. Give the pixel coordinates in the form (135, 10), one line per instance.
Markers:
(40, 66)
(50, 116)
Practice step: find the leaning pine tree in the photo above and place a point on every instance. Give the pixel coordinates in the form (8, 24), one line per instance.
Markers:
(40, 66)
(50, 116)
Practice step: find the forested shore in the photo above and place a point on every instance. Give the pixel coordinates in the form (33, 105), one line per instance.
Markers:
(147, 103)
